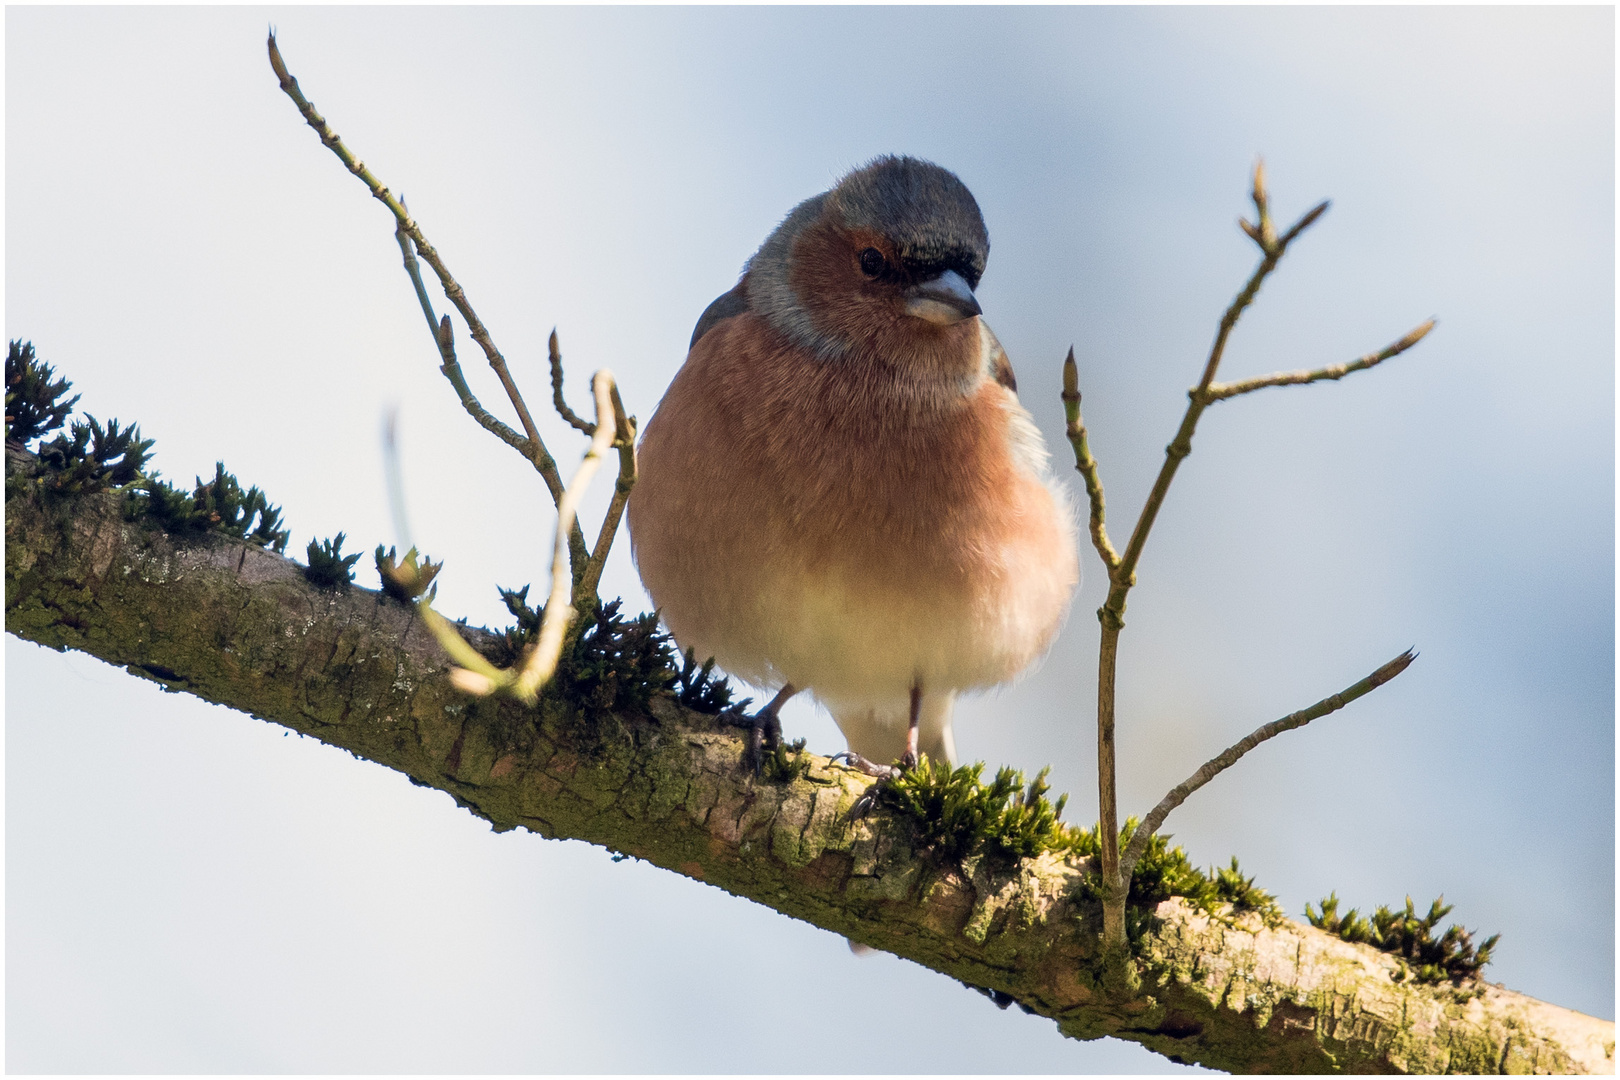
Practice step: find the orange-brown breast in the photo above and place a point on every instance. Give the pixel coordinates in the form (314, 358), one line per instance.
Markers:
(849, 525)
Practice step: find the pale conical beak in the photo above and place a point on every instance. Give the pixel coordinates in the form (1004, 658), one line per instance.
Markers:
(944, 300)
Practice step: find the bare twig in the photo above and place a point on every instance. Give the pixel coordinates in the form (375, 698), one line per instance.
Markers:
(1085, 464)
(1272, 249)
(578, 422)
(1122, 575)
(1220, 391)
(1150, 825)
(542, 661)
(414, 269)
(1122, 570)
(536, 449)
(625, 441)
(475, 675)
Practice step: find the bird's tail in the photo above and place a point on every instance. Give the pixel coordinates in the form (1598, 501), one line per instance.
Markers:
(877, 731)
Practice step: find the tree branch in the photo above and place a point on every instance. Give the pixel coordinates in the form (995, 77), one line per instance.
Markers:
(1220, 391)
(538, 455)
(1272, 249)
(240, 626)
(1085, 464)
(625, 442)
(1228, 757)
(577, 422)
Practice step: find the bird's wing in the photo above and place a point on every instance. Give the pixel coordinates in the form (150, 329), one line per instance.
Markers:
(1004, 372)
(725, 306)
(997, 366)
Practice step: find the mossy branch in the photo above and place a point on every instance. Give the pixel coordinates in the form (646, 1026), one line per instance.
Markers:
(241, 626)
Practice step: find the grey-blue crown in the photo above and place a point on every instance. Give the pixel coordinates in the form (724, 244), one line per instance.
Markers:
(928, 213)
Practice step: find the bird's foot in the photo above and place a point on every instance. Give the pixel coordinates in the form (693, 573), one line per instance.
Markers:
(870, 768)
(882, 773)
(764, 733)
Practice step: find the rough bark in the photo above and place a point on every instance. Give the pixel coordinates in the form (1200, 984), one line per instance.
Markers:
(240, 626)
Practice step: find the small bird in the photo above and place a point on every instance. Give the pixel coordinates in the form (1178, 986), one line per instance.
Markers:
(840, 492)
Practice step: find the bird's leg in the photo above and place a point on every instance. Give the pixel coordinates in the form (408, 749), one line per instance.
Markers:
(765, 730)
(908, 760)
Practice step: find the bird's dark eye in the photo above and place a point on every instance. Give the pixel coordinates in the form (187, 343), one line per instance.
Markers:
(872, 262)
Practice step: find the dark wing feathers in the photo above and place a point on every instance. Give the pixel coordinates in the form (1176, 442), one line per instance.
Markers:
(728, 304)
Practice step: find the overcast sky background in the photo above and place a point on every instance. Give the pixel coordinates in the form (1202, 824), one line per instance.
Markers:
(189, 889)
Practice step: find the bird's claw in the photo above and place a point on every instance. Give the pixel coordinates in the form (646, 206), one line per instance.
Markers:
(868, 798)
(765, 733)
(882, 772)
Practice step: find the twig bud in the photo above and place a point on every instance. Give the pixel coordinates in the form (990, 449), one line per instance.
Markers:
(1418, 334)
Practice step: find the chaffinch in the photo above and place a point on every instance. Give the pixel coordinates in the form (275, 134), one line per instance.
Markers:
(840, 492)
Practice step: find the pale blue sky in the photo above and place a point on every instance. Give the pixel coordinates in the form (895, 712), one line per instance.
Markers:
(188, 889)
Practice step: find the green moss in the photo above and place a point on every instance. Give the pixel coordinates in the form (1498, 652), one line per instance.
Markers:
(328, 567)
(1404, 933)
(218, 505)
(405, 579)
(93, 458)
(955, 814)
(34, 405)
(90, 457)
(615, 663)
(527, 627)
(786, 762)
(698, 688)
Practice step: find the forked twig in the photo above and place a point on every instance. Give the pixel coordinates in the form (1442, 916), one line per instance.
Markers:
(535, 450)
(476, 675)
(625, 440)
(1122, 566)
(1227, 758)
(1272, 248)
(542, 662)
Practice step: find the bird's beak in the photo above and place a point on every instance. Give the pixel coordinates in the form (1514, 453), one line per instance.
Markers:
(944, 300)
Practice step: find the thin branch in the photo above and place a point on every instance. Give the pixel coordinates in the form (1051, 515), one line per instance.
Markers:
(1273, 249)
(1150, 825)
(625, 441)
(1115, 873)
(542, 662)
(414, 269)
(451, 369)
(578, 422)
(1085, 464)
(537, 452)
(478, 676)
(444, 339)
(1220, 391)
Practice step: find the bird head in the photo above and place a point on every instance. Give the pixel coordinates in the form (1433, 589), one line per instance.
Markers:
(885, 263)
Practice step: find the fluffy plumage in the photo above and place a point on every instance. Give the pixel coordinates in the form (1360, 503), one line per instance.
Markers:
(840, 490)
